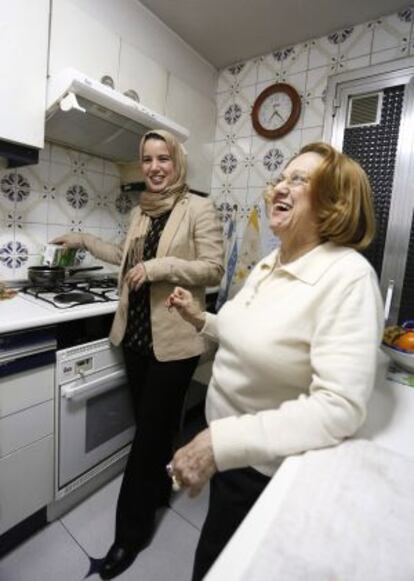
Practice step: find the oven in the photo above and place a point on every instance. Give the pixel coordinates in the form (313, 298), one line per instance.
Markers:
(93, 414)
(93, 411)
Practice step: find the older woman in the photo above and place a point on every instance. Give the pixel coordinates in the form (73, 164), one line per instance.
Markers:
(297, 345)
(174, 238)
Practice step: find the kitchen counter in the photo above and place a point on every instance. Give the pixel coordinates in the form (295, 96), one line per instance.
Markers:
(18, 313)
(345, 512)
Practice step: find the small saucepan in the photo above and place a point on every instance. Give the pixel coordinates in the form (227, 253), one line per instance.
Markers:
(48, 276)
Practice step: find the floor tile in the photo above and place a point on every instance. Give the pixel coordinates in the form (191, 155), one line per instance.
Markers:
(92, 522)
(170, 555)
(193, 510)
(50, 555)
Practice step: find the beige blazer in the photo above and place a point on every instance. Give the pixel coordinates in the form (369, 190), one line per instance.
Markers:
(190, 254)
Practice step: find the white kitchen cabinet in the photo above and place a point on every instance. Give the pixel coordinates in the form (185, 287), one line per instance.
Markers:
(26, 482)
(144, 76)
(22, 429)
(79, 41)
(198, 114)
(26, 443)
(23, 46)
(18, 392)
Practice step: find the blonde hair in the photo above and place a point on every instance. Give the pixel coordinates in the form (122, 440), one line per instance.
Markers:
(176, 151)
(342, 198)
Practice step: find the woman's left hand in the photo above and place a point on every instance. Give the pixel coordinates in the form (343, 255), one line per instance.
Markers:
(194, 464)
(136, 276)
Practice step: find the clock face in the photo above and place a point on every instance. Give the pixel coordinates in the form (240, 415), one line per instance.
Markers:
(275, 111)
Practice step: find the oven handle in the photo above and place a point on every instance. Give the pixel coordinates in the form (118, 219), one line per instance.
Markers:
(95, 387)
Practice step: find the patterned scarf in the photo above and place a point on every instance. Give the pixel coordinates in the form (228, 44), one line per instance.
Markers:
(154, 205)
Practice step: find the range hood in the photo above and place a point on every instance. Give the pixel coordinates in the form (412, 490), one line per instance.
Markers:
(89, 116)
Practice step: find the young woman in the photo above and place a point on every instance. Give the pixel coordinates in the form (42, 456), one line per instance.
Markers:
(174, 238)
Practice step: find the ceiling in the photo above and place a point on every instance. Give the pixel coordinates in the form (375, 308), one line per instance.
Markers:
(228, 31)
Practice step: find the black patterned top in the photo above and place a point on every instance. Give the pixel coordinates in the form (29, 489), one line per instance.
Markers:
(138, 334)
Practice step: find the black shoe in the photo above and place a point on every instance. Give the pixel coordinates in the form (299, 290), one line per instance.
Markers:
(117, 560)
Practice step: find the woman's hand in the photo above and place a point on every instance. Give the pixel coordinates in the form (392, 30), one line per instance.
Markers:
(136, 276)
(70, 240)
(194, 464)
(183, 301)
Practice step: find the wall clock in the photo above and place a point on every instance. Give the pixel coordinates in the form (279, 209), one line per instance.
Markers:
(276, 110)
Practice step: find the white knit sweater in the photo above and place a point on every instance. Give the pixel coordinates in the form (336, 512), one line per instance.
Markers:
(297, 357)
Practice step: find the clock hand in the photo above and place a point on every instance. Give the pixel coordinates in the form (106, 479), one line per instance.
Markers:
(279, 115)
(275, 112)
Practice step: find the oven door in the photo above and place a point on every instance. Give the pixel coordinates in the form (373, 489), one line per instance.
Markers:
(94, 418)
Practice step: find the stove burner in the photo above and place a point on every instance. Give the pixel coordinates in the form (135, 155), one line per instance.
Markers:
(71, 294)
(75, 297)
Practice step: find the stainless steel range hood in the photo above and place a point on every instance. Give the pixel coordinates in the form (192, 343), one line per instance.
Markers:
(86, 115)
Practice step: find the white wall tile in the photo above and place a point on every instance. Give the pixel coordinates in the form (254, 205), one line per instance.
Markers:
(316, 82)
(33, 236)
(311, 135)
(383, 56)
(268, 69)
(321, 52)
(357, 43)
(294, 59)
(313, 113)
(390, 31)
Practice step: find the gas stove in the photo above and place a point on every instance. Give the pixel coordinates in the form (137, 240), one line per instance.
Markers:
(73, 294)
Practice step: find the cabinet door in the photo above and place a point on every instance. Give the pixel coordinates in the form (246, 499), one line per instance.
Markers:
(26, 482)
(198, 114)
(144, 76)
(24, 428)
(79, 41)
(373, 125)
(23, 46)
(26, 388)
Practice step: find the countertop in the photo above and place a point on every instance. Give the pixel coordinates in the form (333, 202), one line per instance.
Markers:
(18, 313)
(345, 512)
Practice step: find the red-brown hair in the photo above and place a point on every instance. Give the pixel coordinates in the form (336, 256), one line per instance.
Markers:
(342, 198)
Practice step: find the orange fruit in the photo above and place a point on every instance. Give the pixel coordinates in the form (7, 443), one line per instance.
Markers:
(405, 341)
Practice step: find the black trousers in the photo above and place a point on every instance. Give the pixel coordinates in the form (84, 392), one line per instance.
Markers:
(232, 495)
(158, 390)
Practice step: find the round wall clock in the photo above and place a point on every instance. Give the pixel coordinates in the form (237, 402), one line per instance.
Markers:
(276, 110)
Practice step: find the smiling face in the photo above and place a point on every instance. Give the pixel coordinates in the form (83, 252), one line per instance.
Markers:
(157, 166)
(291, 212)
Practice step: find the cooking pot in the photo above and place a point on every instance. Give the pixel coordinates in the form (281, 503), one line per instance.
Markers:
(51, 275)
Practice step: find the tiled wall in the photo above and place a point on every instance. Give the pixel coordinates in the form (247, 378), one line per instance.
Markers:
(67, 191)
(243, 161)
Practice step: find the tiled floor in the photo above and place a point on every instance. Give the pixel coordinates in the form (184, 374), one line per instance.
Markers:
(69, 549)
